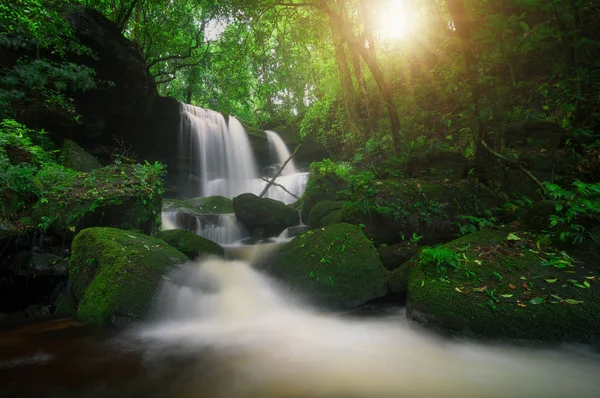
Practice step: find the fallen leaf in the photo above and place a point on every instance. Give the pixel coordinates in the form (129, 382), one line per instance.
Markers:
(537, 300)
(571, 301)
(521, 254)
(506, 295)
(551, 280)
(523, 278)
(512, 286)
(525, 285)
(592, 278)
(570, 272)
(556, 297)
(521, 304)
(481, 289)
(512, 236)
(458, 290)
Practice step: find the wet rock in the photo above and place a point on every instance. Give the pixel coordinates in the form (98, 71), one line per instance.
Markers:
(190, 244)
(116, 272)
(336, 267)
(271, 215)
(394, 256)
(38, 311)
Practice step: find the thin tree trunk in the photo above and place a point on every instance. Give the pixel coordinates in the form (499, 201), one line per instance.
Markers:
(345, 79)
(279, 172)
(363, 102)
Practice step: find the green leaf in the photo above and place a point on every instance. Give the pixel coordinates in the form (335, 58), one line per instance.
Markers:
(525, 27)
(571, 301)
(512, 236)
(551, 280)
(506, 295)
(586, 284)
(537, 300)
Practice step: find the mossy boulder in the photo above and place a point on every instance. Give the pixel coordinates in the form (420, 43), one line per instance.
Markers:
(395, 255)
(190, 244)
(323, 184)
(393, 210)
(74, 157)
(499, 284)
(264, 217)
(397, 282)
(115, 273)
(124, 197)
(336, 267)
(204, 205)
(324, 213)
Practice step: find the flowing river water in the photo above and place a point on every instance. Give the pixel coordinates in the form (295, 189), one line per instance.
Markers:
(222, 329)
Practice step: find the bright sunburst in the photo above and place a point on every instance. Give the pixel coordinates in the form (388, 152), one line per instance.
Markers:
(396, 20)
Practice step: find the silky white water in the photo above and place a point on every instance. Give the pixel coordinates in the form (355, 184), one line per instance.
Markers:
(218, 158)
(264, 342)
(281, 153)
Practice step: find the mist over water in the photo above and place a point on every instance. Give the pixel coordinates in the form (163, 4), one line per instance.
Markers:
(261, 341)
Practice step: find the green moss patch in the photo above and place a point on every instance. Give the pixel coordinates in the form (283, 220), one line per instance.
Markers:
(336, 266)
(120, 196)
(190, 244)
(206, 205)
(116, 273)
(321, 213)
(501, 283)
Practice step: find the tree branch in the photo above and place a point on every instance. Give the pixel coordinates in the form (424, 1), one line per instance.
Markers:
(280, 186)
(514, 163)
(279, 172)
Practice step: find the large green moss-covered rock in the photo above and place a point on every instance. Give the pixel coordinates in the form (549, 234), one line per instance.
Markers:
(205, 205)
(323, 184)
(499, 284)
(262, 216)
(115, 273)
(190, 244)
(336, 266)
(74, 157)
(125, 197)
(324, 213)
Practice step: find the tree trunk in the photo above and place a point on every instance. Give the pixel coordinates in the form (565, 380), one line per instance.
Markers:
(462, 24)
(345, 79)
(344, 28)
(363, 101)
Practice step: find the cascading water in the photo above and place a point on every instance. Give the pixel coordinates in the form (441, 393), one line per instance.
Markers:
(263, 342)
(278, 147)
(218, 157)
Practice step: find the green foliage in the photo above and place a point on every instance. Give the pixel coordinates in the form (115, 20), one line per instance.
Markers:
(573, 210)
(40, 79)
(27, 169)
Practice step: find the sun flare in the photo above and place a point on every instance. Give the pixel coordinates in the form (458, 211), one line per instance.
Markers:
(396, 21)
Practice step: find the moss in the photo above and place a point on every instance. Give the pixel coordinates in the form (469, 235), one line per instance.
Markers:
(321, 211)
(501, 289)
(190, 244)
(321, 186)
(125, 197)
(206, 205)
(74, 157)
(398, 280)
(115, 272)
(269, 215)
(336, 266)
(65, 305)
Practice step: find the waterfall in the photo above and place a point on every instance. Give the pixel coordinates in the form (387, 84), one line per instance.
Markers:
(278, 147)
(218, 158)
